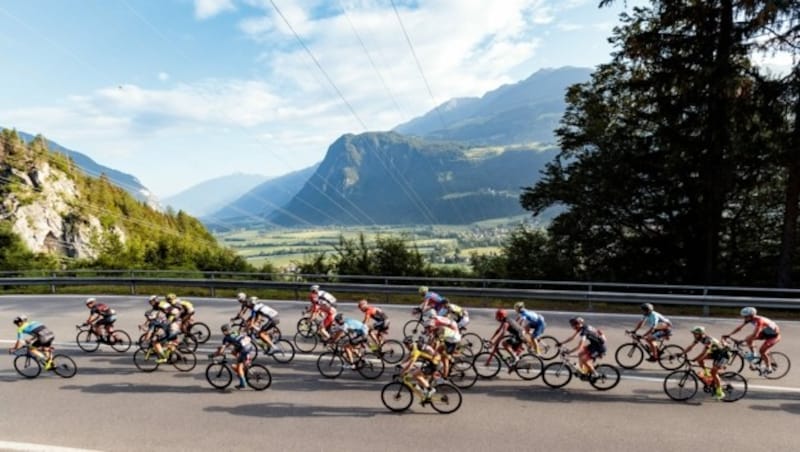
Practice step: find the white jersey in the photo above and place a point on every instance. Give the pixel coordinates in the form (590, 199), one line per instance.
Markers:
(326, 298)
(264, 310)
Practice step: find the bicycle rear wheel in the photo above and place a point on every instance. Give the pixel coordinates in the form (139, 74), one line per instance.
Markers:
(446, 399)
(27, 366)
(87, 341)
(305, 344)
(680, 385)
(188, 343)
(200, 332)
(219, 375)
(64, 366)
(396, 396)
(145, 359)
(183, 360)
(607, 377)
(779, 365)
(258, 377)
(672, 357)
(306, 327)
(487, 365)
(283, 351)
(471, 344)
(529, 366)
(330, 365)
(370, 366)
(735, 362)
(548, 347)
(120, 341)
(557, 374)
(392, 351)
(733, 385)
(462, 374)
(629, 356)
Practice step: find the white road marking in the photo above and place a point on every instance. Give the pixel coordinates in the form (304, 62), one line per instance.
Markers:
(31, 447)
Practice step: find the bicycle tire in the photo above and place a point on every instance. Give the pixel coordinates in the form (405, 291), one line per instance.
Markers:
(392, 351)
(529, 367)
(779, 365)
(447, 398)
(188, 343)
(144, 360)
(64, 366)
(548, 347)
(734, 385)
(607, 377)
(305, 344)
(219, 375)
(275, 334)
(258, 377)
(306, 327)
(120, 341)
(672, 357)
(142, 343)
(396, 396)
(284, 351)
(462, 374)
(629, 355)
(557, 374)
(330, 365)
(487, 365)
(370, 366)
(27, 366)
(87, 341)
(413, 328)
(735, 362)
(200, 332)
(183, 360)
(680, 385)
(471, 344)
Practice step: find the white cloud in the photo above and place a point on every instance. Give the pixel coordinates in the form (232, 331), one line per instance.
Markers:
(163, 76)
(204, 9)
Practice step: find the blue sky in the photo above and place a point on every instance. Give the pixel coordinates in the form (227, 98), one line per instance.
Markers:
(180, 91)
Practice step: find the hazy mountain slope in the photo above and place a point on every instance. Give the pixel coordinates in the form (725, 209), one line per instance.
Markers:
(213, 194)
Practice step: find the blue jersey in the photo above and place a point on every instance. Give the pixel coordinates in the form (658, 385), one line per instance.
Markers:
(28, 328)
(531, 318)
(654, 318)
(354, 326)
(435, 298)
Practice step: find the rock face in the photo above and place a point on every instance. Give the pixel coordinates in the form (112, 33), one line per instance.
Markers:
(42, 209)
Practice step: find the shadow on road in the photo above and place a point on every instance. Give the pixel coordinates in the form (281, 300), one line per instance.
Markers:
(565, 395)
(280, 410)
(137, 388)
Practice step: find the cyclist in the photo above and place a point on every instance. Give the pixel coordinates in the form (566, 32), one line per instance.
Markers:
(765, 330)
(41, 341)
(420, 352)
(356, 333)
(592, 344)
(165, 306)
(100, 317)
(380, 322)
(657, 326)
(457, 313)
(445, 330)
(186, 312)
(516, 336)
(713, 350)
(324, 302)
(430, 300)
(532, 323)
(242, 349)
(261, 314)
(244, 311)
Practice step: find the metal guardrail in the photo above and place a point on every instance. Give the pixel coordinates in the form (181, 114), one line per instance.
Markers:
(704, 296)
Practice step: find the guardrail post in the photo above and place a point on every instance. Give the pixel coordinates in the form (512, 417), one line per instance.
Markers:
(133, 284)
(386, 294)
(589, 298)
(706, 307)
(213, 291)
(52, 284)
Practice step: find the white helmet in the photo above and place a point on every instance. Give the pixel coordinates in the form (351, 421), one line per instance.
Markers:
(747, 312)
(90, 301)
(315, 288)
(252, 301)
(241, 296)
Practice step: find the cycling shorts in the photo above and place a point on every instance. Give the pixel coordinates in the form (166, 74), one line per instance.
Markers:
(595, 350)
(106, 320)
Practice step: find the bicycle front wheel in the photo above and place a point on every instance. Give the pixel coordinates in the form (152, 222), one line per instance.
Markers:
(330, 365)
(413, 328)
(556, 375)
(672, 357)
(779, 365)
(183, 360)
(733, 385)
(462, 374)
(283, 351)
(306, 327)
(607, 377)
(370, 366)
(258, 377)
(548, 347)
(87, 341)
(446, 399)
(27, 366)
(529, 367)
(471, 344)
(487, 364)
(680, 385)
(392, 351)
(145, 360)
(64, 366)
(305, 344)
(200, 332)
(120, 341)
(219, 375)
(396, 396)
(629, 356)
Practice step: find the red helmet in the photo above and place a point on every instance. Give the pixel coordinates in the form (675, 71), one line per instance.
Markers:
(500, 314)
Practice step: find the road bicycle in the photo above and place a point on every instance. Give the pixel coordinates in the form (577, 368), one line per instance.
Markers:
(488, 364)
(558, 374)
(29, 366)
(146, 358)
(185, 341)
(462, 372)
(331, 363)
(200, 332)
(308, 324)
(398, 395)
(779, 362)
(219, 374)
(89, 341)
(414, 327)
(682, 384)
(631, 354)
(282, 350)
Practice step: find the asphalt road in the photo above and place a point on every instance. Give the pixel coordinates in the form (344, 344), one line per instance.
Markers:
(110, 405)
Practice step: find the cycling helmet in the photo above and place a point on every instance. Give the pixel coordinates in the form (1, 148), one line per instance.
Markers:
(698, 330)
(339, 318)
(747, 312)
(362, 304)
(500, 314)
(241, 297)
(422, 290)
(519, 306)
(575, 321)
(252, 301)
(646, 307)
(225, 328)
(20, 318)
(315, 288)
(90, 301)
(153, 299)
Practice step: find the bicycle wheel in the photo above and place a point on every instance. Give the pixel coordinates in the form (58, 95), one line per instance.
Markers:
(413, 328)
(283, 351)
(200, 332)
(779, 366)
(672, 357)
(275, 334)
(607, 377)
(27, 366)
(306, 327)
(305, 344)
(120, 341)
(629, 356)
(471, 344)
(680, 385)
(392, 351)
(370, 366)
(735, 362)
(446, 399)
(487, 365)
(142, 342)
(145, 359)
(64, 366)
(548, 347)
(183, 360)
(188, 343)
(396, 396)
(734, 386)
(557, 374)
(87, 341)
(258, 377)
(330, 365)
(462, 374)
(529, 367)
(219, 375)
